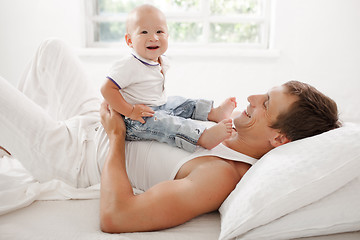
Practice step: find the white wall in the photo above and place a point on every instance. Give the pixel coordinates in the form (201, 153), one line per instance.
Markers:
(318, 42)
(25, 23)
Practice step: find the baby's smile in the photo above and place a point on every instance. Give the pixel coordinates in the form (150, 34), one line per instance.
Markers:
(152, 47)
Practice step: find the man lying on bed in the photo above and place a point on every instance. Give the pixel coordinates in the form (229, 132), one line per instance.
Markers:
(52, 126)
(286, 113)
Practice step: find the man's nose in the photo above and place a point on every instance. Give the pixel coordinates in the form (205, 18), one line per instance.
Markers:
(251, 99)
(255, 99)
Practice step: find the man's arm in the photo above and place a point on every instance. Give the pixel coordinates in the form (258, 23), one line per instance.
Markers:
(165, 205)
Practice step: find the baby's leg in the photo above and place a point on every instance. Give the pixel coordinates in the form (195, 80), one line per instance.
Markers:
(214, 135)
(173, 130)
(223, 111)
(197, 109)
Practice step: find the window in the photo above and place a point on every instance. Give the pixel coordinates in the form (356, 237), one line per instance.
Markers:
(243, 23)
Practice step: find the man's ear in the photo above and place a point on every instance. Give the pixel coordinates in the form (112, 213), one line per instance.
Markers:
(279, 139)
(128, 40)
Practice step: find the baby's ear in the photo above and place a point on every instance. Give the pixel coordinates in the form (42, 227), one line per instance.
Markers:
(128, 40)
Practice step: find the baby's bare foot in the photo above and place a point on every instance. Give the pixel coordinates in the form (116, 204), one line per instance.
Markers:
(223, 111)
(213, 136)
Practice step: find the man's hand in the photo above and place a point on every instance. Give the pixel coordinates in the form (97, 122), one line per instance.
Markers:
(112, 121)
(140, 111)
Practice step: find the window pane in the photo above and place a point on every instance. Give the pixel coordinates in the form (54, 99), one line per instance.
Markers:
(109, 31)
(112, 7)
(235, 32)
(189, 21)
(179, 5)
(185, 32)
(231, 7)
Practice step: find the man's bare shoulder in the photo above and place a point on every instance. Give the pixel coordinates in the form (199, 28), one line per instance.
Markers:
(212, 165)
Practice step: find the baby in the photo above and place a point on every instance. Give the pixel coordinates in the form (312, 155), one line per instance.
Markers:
(135, 88)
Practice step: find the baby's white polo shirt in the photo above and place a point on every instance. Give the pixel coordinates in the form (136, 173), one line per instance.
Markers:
(140, 80)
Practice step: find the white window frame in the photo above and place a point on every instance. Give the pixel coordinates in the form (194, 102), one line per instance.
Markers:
(199, 48)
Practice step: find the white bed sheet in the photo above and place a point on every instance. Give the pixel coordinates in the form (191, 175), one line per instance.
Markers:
(78, 220)
(53, 211)
(19, 189)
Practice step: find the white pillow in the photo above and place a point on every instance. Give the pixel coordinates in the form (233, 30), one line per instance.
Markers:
(336, 213)
(291, 177)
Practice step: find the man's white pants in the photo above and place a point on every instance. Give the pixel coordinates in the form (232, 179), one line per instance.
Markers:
(50, 123)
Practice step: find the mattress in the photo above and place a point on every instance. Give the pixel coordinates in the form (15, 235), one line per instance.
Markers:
(54, 210)
(78, 220)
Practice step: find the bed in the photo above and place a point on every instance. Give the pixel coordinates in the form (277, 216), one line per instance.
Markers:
(305, 189)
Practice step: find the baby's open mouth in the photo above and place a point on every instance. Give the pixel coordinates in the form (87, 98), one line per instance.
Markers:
(152, 47)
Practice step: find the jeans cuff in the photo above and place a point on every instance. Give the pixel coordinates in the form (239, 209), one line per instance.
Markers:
(188, 140)
(202, 109)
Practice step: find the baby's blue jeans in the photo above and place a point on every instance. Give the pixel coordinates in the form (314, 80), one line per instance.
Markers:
(173, 123)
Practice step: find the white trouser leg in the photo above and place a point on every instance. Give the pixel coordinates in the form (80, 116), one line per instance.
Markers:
(56, 81)
(49, 148)
(42, 144)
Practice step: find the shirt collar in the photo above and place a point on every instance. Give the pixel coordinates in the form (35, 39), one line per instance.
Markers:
(144, 60)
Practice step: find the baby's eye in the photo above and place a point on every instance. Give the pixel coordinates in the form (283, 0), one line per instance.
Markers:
(144, 32)
(160, 31)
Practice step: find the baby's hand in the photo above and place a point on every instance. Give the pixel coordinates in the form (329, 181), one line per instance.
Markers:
(140, 111)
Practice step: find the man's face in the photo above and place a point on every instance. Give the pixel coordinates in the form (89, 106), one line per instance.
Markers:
(255, 121)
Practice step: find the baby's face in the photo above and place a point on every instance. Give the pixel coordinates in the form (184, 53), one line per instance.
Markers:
(148, 34)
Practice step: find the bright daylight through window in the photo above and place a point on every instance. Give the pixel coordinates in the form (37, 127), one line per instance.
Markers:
(243, 23)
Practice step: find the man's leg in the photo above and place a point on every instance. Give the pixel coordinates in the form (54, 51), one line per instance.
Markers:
(56, 80)
(47, 148)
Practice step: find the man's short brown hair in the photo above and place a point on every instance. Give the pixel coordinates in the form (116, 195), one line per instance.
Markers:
(313, 113)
